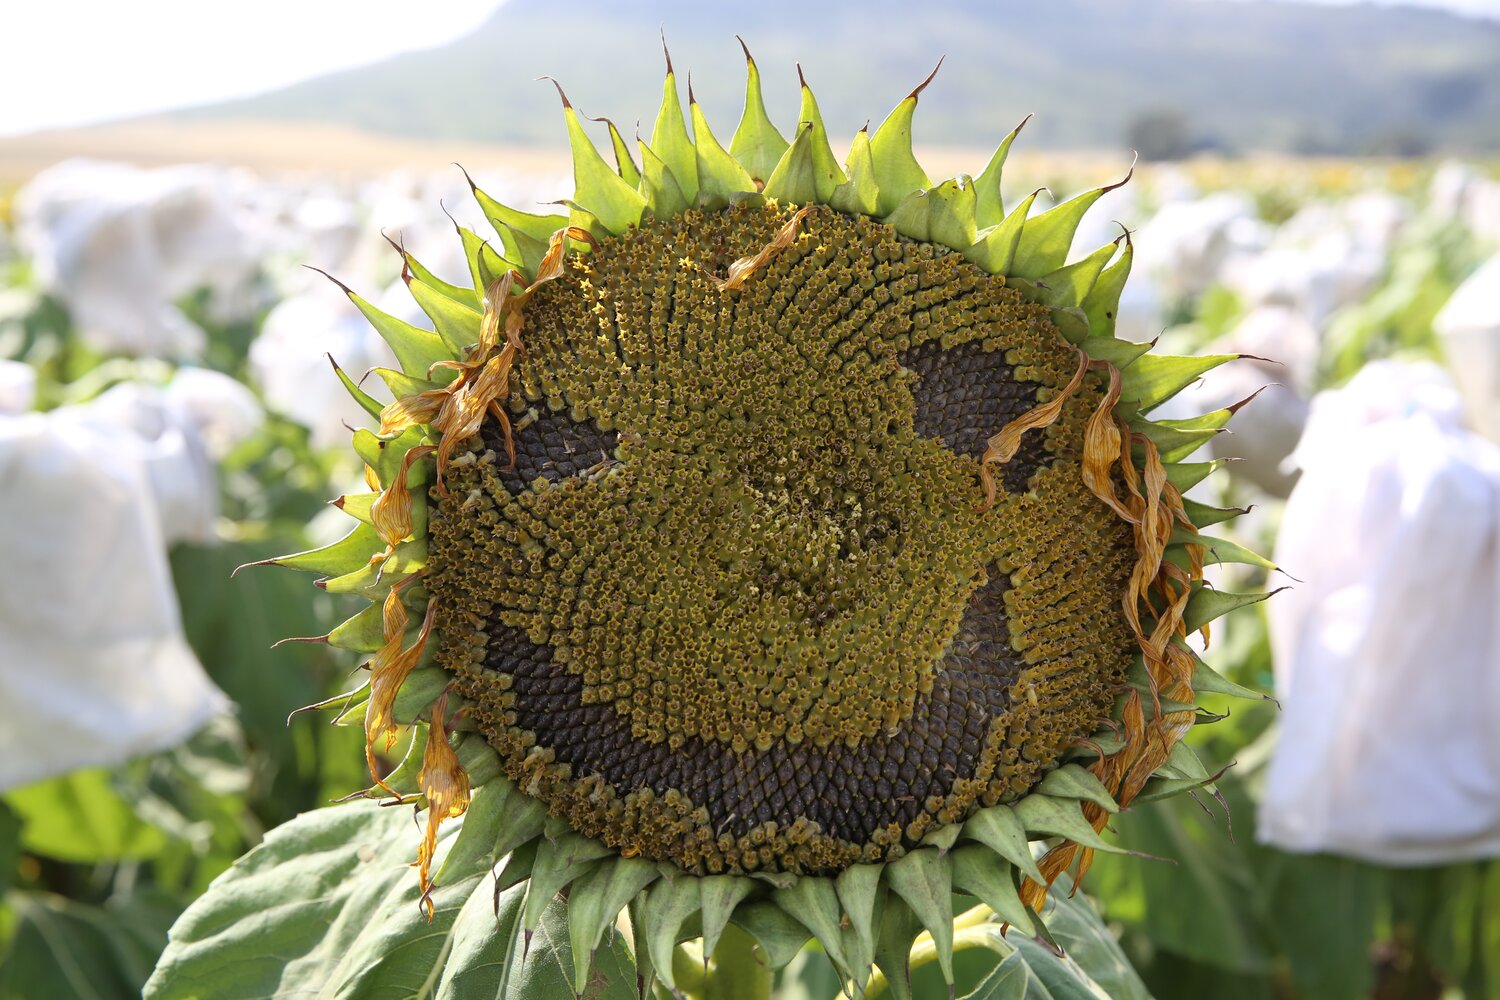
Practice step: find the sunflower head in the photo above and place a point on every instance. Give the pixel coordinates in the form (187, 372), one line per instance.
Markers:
(778, 543)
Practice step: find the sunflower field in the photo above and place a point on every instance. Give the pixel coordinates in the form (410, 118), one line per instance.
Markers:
(745, 564)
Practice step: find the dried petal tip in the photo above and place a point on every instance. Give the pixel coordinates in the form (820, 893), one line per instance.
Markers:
(445, 783)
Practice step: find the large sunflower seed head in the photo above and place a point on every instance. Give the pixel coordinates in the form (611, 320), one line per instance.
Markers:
(790, 539)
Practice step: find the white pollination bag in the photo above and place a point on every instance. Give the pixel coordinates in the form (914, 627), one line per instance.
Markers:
(94, 668)
(1388, 654)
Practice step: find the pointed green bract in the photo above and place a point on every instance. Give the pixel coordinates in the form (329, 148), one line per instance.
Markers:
(1177, 439)
(897, 171)
(718, 896)
(457, 324)
(1207, 605)
(616, 204)
(998, 829)
(721, 180)
(485, 265)
(1120, 353)
(815, 904)
(826, 173)
(995, 249)
(363, 633)
(976, 873)
(1207, 680)
(668, 904)
(624, 162)
(925, 881)
(562, 856)
(366, 402)
(857, 887)
(944, 214)
(1043, 814)
(794, 181)
(1222, 550)
(664, 197)
(756, 144)
(414, 270)
(780, 936)
(670, 141)
(1069, 285)
(1156, 378)
(538, 227)
(859, 195)
(899, 928)
(989, 206)
(595, 901)
(1046, 239)
(1203, 516)
(1102, 305)
(345, 555)
(416, 349)
(523, 247)
(1073, 782)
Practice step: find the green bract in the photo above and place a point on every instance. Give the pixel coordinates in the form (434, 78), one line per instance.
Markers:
(774, 548)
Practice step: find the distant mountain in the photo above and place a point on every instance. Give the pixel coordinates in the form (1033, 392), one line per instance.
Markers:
(1175, 74)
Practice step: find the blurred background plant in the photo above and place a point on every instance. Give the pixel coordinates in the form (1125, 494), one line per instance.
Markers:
(158, 330)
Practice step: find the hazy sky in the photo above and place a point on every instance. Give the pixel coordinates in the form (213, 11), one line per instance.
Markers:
(73, 62)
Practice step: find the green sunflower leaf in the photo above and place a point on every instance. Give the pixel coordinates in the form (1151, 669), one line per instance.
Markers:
(327, 903)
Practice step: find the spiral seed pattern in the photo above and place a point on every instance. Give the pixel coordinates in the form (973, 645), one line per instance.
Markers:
(738, 605)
